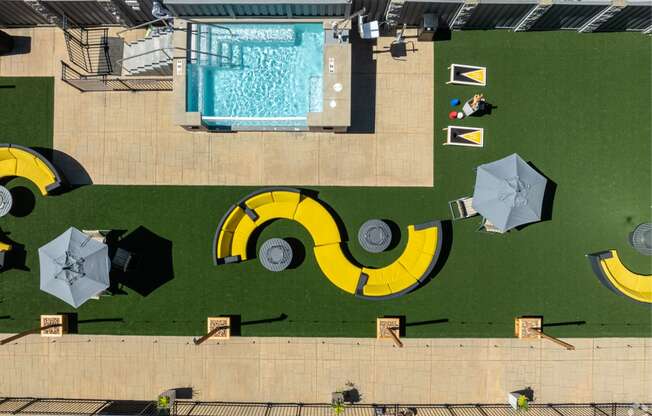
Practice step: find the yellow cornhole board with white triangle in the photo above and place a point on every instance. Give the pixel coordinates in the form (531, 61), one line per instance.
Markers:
(468, 75)
(464, 136)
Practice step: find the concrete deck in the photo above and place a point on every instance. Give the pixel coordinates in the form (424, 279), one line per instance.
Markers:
(130, 138)
(308, 369)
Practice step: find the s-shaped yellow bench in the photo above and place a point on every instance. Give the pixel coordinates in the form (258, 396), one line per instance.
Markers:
(409, 271)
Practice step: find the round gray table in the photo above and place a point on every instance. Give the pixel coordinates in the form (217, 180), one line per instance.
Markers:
(5, 201)
(375, 236)
(275, 254)
(641, 238)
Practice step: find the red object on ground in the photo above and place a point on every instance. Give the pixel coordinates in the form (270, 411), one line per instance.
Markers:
(452, 115)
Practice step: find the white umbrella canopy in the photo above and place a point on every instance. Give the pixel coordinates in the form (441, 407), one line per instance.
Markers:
(509, 192)
(74, 267)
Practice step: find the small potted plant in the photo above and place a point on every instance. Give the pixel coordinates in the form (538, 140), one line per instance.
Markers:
(522, 403)
(338, 407)
(164, 404)
(337, 402)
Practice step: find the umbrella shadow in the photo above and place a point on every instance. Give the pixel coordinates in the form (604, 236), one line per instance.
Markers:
(16, 258)
(153, 266)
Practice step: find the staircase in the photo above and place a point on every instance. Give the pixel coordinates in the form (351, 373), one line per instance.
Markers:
(222, 50)
(393, 12)
(151, 55)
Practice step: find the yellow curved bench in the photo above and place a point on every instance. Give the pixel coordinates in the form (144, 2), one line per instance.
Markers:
(411, 267)
(16, 160)
(613, 274)
(407, 272)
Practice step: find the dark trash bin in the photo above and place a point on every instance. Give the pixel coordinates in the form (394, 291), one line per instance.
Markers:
(6, 43)
(428, 27)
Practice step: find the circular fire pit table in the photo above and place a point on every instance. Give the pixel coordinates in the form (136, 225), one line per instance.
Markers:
(641, 238)
(5, 201)
(275, 254)
(375, 236)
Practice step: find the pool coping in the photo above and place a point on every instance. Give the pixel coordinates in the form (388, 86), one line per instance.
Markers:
(336, 105)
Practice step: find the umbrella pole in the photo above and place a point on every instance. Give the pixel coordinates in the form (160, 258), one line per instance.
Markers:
(28, 332)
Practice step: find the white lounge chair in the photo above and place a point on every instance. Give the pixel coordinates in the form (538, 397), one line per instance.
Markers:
(488, 227)
(462, 208)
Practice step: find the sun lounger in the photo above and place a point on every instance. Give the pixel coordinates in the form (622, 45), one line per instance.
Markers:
(462, 208)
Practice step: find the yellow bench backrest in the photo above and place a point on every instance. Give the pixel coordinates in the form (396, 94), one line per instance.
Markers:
(15, 161)
(634, 285)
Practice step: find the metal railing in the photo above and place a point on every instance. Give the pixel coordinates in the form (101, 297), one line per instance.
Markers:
(87, 407)
(104, 83)
(171, 48)
(151, 22)
(88, 48)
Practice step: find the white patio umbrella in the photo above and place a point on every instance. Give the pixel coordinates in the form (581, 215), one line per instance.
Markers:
(509, 192)
(74, 267)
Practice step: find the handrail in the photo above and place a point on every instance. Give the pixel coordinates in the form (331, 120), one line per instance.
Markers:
(160, 19)
(170, 48)
(197, 22)
(79, 81)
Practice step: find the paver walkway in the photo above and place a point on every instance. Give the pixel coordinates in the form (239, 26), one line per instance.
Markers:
(309, 369)
(129, 138)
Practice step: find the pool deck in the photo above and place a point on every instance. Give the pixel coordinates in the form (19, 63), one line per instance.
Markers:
(131, 138)
(307, 370)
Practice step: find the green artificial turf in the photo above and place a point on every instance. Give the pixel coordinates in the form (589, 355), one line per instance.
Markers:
(575, 105)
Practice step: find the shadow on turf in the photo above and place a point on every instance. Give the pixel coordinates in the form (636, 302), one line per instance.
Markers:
(404, 325)
(553, 324)
(298, 252)
(23, 202)
(237, 323)
(153, 261)
(396, 233)
(488, 109)
(73, 173)
(15, 258)
(74, 321)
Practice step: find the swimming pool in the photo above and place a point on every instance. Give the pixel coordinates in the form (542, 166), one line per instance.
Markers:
(256, 74)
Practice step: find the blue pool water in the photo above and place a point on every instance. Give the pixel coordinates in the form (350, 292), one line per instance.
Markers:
(264, 74)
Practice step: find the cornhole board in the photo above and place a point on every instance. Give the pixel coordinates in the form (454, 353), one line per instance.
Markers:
(468, 75)
(464, 136)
